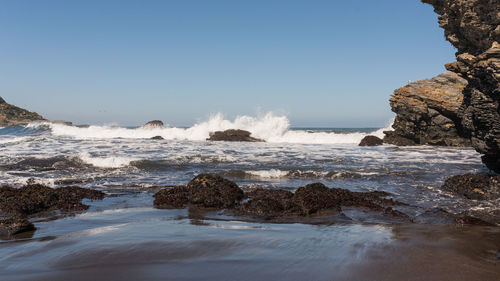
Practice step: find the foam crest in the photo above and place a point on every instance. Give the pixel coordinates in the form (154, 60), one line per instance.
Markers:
(269, 127)
(106, 162)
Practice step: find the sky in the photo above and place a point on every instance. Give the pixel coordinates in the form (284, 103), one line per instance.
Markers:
(322, 63)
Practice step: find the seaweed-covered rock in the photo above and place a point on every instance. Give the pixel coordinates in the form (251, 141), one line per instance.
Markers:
(268, 202)
(174, 198)
(36, 198)
(315, 197)
(232, 135)
(69, 197)
(371, 141)
(474, 186)
(213, 191)
(12, 225)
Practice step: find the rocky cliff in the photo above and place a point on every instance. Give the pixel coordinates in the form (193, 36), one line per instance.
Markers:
(427, 112)
(11, 115)
(473, 27)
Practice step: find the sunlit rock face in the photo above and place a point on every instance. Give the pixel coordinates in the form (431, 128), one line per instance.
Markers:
(11, 115)
(427, 112)
(473, 27)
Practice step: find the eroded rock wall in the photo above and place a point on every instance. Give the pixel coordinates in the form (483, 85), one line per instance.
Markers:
(473, 27)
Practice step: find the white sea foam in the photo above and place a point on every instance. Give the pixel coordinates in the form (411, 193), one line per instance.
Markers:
(269, 174)
(9, 139)
(269, 127)
(106, 162)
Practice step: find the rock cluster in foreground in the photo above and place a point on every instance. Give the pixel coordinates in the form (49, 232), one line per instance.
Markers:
(18, 204)
(427, 112)
(473, 27)
(215, 192)
(11, 115)
(233, 135)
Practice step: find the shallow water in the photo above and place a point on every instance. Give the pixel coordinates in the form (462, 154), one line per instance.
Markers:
(124, 238)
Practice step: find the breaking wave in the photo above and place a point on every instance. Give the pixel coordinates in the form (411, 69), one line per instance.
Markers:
(270, 127)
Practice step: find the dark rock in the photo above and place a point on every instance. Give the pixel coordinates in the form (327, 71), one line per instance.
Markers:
(371, 141)
(268, 202)
(472, 26)
(32, 199)
(69, 197)
(474, 186)
(153, 124)
(213, 191)
(63, 122)
(12, 225)
(11, 115)
(391, 137)
(157, 138)
(315, 197)
(174, 198)
(427, 112)
(232, 135)
(82, 126)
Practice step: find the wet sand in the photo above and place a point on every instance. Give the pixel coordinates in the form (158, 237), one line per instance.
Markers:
(137, 243)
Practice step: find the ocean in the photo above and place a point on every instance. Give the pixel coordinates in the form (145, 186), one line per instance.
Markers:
(123, 237)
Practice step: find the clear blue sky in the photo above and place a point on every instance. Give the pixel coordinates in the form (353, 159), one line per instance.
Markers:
(323, 63)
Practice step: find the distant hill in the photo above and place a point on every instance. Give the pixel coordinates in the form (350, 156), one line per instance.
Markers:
(11, 115)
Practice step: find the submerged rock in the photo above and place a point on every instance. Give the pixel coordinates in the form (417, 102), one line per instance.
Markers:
(233, 135)
(32, 199)
(213, 191)
(427, 112)
(371, 141)
(474, 186)
(153, 124)
(11, 115)
(472, 26)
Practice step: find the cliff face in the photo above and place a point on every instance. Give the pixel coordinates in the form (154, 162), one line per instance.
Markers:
(427, 112)
(11, 115)
(473, 27)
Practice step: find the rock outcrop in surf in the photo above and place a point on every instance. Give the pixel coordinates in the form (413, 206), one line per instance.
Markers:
(371, 141)
(11, 115)
(473, 27)
(427, 112)
(233, 135)
(153, 124)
